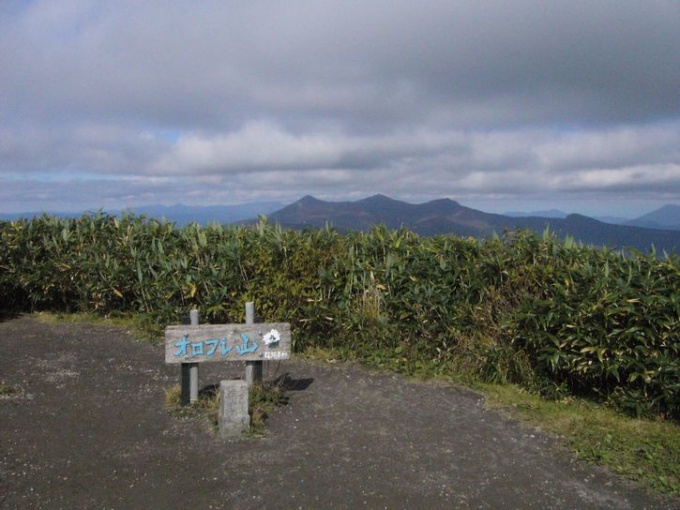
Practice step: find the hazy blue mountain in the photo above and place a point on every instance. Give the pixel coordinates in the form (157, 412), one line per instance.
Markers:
(552, 213)
(28, 215)
(666, 217)
(441, 216)
(616, 220)
(184, 214)
(180, 214)
(449, 217)
(556, 213)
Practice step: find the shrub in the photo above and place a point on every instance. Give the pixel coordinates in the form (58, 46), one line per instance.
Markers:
(551, 315)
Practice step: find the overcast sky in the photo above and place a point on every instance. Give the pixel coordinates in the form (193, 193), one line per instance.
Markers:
(499, 104)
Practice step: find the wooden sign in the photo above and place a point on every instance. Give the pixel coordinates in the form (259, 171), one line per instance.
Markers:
(227, 342)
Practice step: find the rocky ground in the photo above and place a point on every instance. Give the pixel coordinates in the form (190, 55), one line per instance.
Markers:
(86, 428)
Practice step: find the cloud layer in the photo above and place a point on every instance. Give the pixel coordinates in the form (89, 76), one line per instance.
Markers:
(488, 102)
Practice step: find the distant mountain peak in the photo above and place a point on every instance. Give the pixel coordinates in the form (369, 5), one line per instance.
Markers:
(378, 199)
(380, 196)
(666, 217)
(445, 216)
(443, 202)
(309, 199)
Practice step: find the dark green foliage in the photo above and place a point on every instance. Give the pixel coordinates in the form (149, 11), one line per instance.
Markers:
(551, 315)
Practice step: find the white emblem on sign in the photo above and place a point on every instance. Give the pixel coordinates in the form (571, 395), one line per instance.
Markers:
(272, 338)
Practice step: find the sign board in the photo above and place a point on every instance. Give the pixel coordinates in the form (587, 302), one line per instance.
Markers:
(227, 342)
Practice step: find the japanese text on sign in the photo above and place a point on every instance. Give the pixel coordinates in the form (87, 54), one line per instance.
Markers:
(210, 347)
(230, 342)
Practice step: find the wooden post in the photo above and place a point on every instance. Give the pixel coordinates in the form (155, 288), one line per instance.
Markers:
(194, 366)
(189, 387)
(185, 394)
(253, 368)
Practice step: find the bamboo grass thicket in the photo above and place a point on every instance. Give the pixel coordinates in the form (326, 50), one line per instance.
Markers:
(552, 315)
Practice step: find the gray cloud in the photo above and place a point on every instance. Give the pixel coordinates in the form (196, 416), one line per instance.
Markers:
(416, 99)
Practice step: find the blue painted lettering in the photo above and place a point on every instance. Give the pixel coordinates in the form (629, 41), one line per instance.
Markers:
(213, 346)
(224, 348)
(244, 349)
(182, 345)
(196, 348)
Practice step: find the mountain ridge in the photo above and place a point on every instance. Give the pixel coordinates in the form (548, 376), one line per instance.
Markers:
(179, 214)
(439, 216)
(666, 217)
(445, 216)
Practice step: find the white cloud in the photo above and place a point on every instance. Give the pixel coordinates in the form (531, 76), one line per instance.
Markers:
(465, 99)
(621, 146)
(84, 149)
(630, 178)
(262, 146)
(258, 146)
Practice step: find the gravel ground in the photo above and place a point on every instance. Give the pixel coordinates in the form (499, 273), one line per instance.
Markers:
(86, 428)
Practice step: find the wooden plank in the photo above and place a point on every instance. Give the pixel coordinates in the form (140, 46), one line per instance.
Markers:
(227, 342)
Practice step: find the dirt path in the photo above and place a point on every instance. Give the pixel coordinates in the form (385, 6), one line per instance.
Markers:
(87, 429)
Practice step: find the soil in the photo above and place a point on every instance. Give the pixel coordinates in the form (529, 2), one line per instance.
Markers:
(87, 428)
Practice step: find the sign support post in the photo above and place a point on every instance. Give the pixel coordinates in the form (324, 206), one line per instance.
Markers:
(253, 368)
(189, 387)
(193, 367)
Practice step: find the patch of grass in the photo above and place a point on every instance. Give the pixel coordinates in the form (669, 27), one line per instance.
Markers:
(206, 407)
(6, 389)
(263, 399)
(322, 354)
(143, 327)
(173, 396)
(647, 451)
